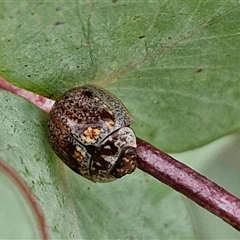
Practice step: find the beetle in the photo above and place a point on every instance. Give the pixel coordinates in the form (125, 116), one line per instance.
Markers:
(89, 131)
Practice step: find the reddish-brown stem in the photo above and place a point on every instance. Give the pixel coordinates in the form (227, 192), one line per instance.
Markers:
(28, 195)
(42, 102)
(167, 170)
(188, 182)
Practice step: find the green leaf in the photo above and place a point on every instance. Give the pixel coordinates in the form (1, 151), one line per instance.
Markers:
(75, 207)
(174, 64)
(16, 220)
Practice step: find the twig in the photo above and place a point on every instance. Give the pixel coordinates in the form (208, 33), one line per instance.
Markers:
(185, 180)
(167, 170)
(41, 102)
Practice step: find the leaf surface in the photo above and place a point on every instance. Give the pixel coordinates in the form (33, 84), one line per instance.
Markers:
(174, 64)
(75, 207)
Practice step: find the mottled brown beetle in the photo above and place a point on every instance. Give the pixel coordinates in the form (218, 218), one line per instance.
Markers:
(88, 130)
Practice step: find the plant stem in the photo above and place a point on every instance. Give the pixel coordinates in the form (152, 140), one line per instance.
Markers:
(41, 102)
(166, 169)
(185, 180)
